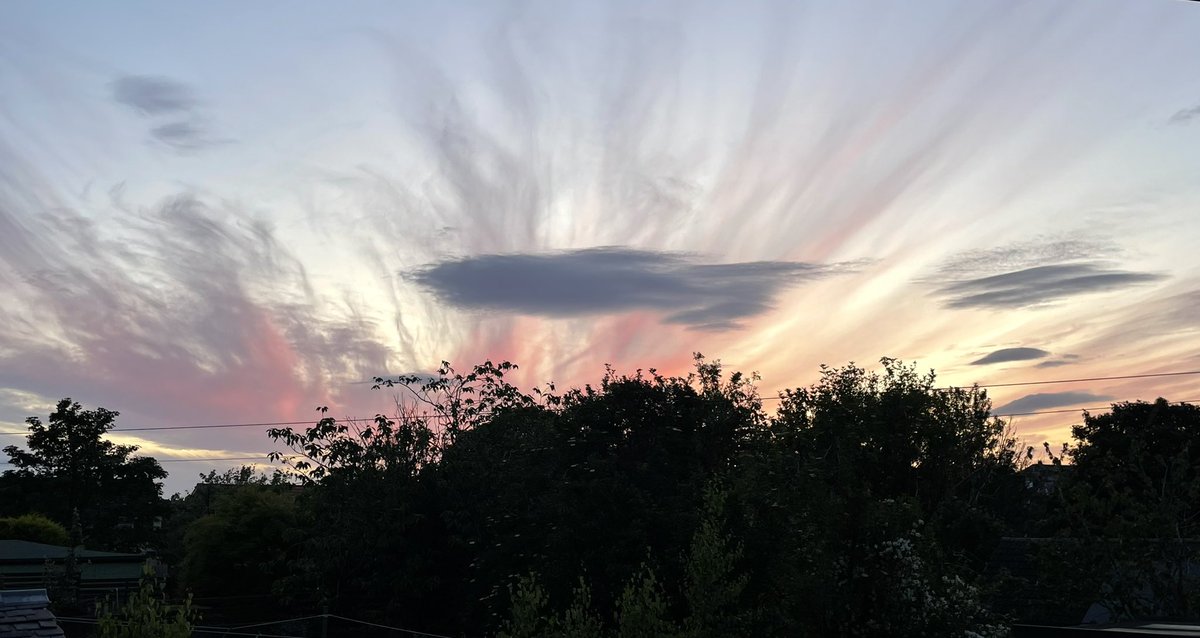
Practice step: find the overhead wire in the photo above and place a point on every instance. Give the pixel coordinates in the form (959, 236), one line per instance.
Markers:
(197, 629)
(1065, 410)
(429, 415)
(1120, 377)
(1085, 379)
(204, 426)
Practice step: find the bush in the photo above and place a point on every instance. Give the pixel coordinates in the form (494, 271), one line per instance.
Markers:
(34, 528)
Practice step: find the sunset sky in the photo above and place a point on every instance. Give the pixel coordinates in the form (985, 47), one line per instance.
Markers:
(235, 212)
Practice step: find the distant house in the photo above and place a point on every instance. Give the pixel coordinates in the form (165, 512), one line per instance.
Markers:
(1044, 478)
(1124, 630)
(26, 565)
(1018, 570)
(24, 614)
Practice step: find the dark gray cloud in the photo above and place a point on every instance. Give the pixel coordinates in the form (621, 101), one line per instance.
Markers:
(1049, 401)
(182, 135)
(170, 102)
(1039, 285)
(1011, 354)
(1184, 116)
(1065, 360)
(614, 279)
(152, 95)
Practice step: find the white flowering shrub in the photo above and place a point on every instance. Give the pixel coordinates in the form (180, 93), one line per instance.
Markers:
(907, 597)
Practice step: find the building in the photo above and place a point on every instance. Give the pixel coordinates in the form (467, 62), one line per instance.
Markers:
(24, 614)
(26, 565)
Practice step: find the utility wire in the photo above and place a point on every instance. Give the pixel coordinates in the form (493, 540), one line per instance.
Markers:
(1087, 379)
(206, 426)
(218, 458)
(353, 620)
(188, 460)
(371, 624)
(264, 455)
(1063, 410)
(431, 415)
(1056, 381)
(232, 631)
(427, 415)
(280, 622)
(195, 629)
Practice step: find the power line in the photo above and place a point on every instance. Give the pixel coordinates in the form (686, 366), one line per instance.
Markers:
(190, 460)
(218, 458)
(195, 629)
(207, 426)
(1087, 379)
(1064, 410)
(371, 624)
(265, 454)
(280, 622)
(353, 620)
(232, 631)
(245, 425)
(427, 415)
(1057, 381)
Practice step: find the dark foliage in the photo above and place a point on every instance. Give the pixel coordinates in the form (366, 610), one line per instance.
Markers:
(869, 504)
(68, 466)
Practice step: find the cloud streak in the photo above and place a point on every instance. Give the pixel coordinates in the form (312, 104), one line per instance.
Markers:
(1065, 360)
(1040, 285)
(1048, 401)
(1005, 355)
(182, 135)
(609, 280)
(161, 98)
(1185, 116)
(182, 307)
(152, 95)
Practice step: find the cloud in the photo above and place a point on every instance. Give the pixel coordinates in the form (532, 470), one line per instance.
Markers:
(1049, 400)
(1185, 116)
(1039, 285)
(1039, 251)
(1055, 363)
(1042, 270)
(182, 135)
(152, 95)
(1011, 354)
(187, 306)
(610, 280)
(160, 97)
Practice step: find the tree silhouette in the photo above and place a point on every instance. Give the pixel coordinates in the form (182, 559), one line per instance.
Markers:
(69, 466)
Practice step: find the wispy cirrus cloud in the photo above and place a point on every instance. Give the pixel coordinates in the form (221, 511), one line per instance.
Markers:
(1038, 251)
(1005, 355)
(185, 306)
(1049, 401)
(609, 280)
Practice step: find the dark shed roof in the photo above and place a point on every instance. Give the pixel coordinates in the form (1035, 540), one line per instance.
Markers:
(23, 614)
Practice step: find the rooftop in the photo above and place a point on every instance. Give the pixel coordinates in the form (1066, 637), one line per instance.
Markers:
(11, 550)
(23, 614)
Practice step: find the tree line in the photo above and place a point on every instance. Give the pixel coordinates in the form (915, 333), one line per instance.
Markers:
(870, 503)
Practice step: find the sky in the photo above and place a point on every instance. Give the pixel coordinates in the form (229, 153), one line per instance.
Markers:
(230, 212)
